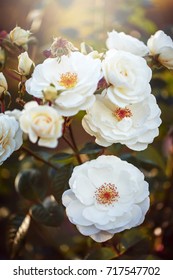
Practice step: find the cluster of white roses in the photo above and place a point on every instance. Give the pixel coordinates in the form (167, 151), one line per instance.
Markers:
(107, 195)
(125, 112)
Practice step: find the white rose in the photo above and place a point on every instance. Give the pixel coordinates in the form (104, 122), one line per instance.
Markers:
(128, 76)
(14, 113)
(41, 122)
(3, 83)
(19, 36)
(106, 196)
(135, 125)
(75, 78)
(25, 64)
(10, 136)
(121, 41)
(161, 45)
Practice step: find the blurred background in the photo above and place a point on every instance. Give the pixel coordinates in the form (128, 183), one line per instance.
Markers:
(90, 21)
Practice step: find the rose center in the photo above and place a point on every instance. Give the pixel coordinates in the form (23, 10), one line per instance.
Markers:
(42, 120)
(121, 113)
(107, 194)
(68, 80)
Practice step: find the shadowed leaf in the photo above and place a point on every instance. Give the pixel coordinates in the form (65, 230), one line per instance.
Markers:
(17, 230)
(30, 184)
(61, 159)
(102, 254)
(135, 240)
(49, 214)
(91, 148)
(60, 181)
(151, 156)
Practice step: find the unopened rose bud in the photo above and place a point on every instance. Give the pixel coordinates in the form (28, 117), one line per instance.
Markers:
(3, 84)
(96, 55)
(61, 47)
(19, 36)
(50, 93)
(161, 48)
(88, 50)
(25, 65)
(2, 56)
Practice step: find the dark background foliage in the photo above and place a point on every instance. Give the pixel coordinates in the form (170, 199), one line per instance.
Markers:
(33, 224)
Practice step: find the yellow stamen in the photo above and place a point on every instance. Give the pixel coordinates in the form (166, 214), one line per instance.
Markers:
(68, 80)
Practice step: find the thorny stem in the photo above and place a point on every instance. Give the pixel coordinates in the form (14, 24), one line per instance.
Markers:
(38, 157)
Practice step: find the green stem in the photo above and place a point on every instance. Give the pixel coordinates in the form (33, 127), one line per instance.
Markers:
(38, 157)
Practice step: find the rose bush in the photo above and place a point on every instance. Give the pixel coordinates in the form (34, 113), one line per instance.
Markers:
(102, 194)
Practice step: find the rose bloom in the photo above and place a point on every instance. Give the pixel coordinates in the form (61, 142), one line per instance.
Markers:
(3, 83)
(10, 136)
(19, 36)
(75, 78)
(25, 64)
(41, 122)
(106, 196)
(128, 76)
(121, 41)
(161, 46)
(14, 113)
(135, 125)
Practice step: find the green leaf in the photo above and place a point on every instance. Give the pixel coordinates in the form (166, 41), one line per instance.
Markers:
(151, 156)
(140, 250)
(61, 159)
(130, 240)
(60, 181)
(105, 253)
(30, 184)
(91, 148)
(17, 230)
(50, 213)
